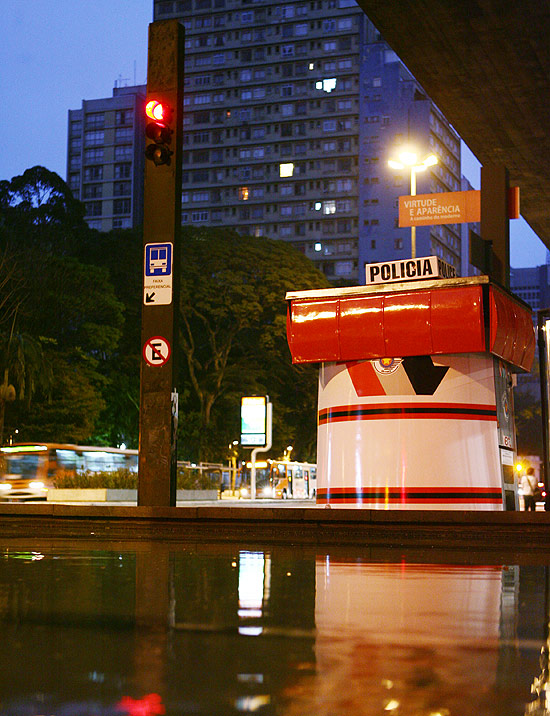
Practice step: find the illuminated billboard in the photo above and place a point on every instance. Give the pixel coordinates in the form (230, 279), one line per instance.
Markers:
(253, 420)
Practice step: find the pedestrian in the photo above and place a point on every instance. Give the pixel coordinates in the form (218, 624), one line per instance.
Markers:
(528, 485)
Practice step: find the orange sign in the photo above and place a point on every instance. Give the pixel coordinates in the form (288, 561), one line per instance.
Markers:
(453, 207)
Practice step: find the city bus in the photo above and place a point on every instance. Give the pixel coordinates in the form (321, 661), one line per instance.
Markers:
(279, 479)
(28, 470)
(296, 480)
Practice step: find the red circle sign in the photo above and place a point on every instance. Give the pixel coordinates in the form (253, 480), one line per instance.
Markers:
(156, 351)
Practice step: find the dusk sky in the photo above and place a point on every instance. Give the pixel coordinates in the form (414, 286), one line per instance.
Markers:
(55, 53)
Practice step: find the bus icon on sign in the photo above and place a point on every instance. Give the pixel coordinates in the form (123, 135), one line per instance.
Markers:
(158, 259)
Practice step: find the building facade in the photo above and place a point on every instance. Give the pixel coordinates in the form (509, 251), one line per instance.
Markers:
(532, 285)
(105, 158)
(292, 110)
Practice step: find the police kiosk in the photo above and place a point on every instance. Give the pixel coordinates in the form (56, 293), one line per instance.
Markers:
(415, 387)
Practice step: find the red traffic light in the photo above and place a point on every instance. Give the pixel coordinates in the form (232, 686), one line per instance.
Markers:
(156, 110)
(159, 132)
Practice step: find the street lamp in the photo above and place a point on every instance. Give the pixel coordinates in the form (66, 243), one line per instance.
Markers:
(409, 158)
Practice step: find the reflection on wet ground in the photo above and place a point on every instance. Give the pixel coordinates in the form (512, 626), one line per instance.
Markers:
(171, 629)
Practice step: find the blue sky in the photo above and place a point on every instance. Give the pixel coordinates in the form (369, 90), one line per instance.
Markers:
(55, 53)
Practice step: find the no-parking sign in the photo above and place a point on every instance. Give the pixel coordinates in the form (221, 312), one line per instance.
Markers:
(156, 351)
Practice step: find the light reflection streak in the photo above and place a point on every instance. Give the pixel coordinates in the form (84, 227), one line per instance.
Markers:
(313, 316)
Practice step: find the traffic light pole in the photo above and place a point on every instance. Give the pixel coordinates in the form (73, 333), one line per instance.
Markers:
(161, 266)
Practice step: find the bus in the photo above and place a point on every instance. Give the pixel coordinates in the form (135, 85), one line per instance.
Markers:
(293, 480)
(278, 479)
(28, 470)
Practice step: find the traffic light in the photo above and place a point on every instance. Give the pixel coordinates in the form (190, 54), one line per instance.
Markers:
(159, 132)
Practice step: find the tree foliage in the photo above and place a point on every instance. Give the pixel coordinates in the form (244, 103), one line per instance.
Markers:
(233, 339)
(71, 301)
(62, 318)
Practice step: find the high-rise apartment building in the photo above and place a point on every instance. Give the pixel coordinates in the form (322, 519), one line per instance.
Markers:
(105, 158)
(292, 109)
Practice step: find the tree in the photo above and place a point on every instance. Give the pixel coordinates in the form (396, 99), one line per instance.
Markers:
(40, 203)
(23, 362)
(233, 339)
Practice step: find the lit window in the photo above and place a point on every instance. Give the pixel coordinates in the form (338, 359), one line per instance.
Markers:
(326, 85)
(286, 170)
(243, 193)
(329, 207)
(318, 246)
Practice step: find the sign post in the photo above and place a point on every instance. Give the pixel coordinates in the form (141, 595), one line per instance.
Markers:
(161, 227)
(256, 430)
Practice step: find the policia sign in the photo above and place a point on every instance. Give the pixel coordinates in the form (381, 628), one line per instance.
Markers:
(408, 270)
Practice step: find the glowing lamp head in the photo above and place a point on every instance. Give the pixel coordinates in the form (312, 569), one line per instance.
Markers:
(155, 110)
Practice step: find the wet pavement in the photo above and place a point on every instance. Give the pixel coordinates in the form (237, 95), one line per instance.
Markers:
(151, 628)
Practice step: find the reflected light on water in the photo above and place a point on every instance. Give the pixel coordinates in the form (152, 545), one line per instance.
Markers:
(347, 632)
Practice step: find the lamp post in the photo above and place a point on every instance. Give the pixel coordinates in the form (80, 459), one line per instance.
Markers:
(408, 158)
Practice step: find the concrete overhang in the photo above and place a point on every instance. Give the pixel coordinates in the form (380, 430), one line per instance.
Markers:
(486, 64)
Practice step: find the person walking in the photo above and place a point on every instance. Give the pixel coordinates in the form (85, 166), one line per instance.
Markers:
(528, 486)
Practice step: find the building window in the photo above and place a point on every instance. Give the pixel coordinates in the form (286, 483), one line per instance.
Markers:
(343, 268)
(121, 188)
(124, 116)
(124, 151)
(329, 207)
(92, 191)
(121, 206)
(286, 170)
(327, 85)
(93, 174)
(345, 23)
(198, 216)
(243, 193)
(95, 120)
(94, 139)
(91, 156)
(123, 171)
(344, 205)
(92, 208)
(123, 223)
(344, 105)
(124, 134)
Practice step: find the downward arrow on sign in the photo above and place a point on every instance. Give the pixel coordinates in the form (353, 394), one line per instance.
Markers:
(425, 377)
(149, 297)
